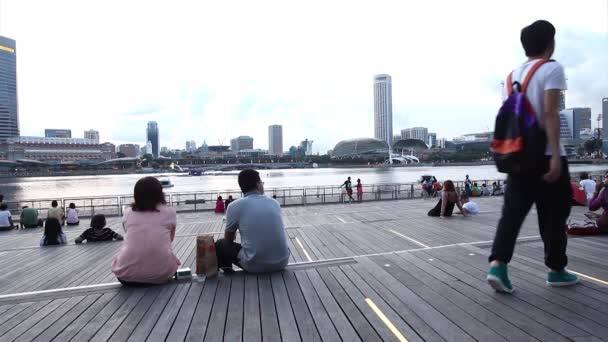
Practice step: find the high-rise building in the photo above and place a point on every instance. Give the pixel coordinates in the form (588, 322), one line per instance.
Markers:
(565, 125)
(383, 108)
(58, 133)
(164, 149)
(432, 139)
(129, 150)
(149, 148)
(243, 142)
(562, 100)
(419, 133)
(92, 134)
(306, 146)
(605, 118)
(9, 110)
(578, 119)
(275, 140)
(152, 137)
(191, 146)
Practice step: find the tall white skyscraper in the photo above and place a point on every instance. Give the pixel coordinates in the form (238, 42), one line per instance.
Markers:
(275, 140)
(383, 108)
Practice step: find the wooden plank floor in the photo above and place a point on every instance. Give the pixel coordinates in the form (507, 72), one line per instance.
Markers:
(380, 271)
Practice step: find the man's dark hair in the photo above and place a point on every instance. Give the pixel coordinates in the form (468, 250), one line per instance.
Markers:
(98, 221)
(148, 194)
(248, 180)
(54, 204)
(537, 37)
(584, 175)
(3, 206)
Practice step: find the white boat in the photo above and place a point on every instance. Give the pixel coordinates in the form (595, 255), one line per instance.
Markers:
(166, 183)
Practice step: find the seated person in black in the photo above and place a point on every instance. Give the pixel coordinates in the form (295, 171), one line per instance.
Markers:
(449, 199)
(97, 232)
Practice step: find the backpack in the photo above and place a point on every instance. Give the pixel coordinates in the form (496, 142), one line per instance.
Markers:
(519, 143)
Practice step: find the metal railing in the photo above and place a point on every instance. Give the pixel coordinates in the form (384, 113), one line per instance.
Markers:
(205, 200)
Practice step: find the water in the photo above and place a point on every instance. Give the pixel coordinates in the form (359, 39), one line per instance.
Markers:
(86, 186)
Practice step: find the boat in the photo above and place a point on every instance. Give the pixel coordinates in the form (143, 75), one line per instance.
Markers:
(196, 172)
(166, 183)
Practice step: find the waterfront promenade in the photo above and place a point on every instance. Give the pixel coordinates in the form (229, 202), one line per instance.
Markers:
(373, 271)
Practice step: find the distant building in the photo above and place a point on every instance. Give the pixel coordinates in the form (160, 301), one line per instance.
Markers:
(275, 140)
(562, 100)
(383, 108)
(605, 118)
(241, 143)
(57, 149)
(149, 148)
(9, 109)
(191, 146)
(92, 134)
(205, 147)
(57, 133)
(164, 149)
(129, 150)
(306, 146)
(474, 137)
(251, 152)
(418, 133)
(441, 142)
(578, 119)
(565, 126)
(432, 139)
(153, 138)
(396, 137)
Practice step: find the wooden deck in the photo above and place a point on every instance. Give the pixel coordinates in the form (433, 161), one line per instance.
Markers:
(371, 271)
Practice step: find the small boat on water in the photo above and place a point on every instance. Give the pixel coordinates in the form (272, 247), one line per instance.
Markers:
(166, 183)
(196, 172)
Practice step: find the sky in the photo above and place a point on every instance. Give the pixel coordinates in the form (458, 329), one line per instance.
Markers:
(214, 70)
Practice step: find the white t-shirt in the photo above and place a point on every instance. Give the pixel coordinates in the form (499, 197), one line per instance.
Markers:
(4, 215)
(589, 187)
(471, 207)
(549, 76)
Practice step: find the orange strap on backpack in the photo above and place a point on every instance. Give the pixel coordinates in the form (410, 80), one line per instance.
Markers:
(524, 85)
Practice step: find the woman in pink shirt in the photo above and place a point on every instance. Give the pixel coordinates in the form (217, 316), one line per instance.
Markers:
(146, 256)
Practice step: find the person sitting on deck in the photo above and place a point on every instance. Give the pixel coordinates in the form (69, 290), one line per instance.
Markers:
(475, 191)
(588, 185)
(146, 257)
(228, 201)
(485, 191)
(219, 205)
(55, 212)
(263, 246)
(449, 199)
(496, 189)
(53, 235)
(599, 200)
(72, 216)
(29, 218)
(6, 219)
(469, 207)
(98, 232)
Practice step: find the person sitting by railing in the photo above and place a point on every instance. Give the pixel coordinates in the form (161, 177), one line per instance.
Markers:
(146, 256)
(53, 235)
(6, 219)
(496, 189)
(258, 219)
(55, 212)
(449, 199)
(475, 191)
(485, 191)
(29, 218)
(72, 216)
(219, 205)
(98, 231)
(228, 201)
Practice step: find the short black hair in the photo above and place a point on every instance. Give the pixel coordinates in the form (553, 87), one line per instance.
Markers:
(248, 180)
(3, 206)
(537, 37)
(219, 198)
(584, 175)
(72, 205)
(98, 221)
(54, 204)
(148, 194)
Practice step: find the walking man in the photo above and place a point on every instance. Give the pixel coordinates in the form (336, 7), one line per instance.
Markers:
(348, 185)
(551, 191)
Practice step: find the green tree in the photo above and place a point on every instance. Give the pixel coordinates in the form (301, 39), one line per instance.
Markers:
(592, 145)
(147, 160)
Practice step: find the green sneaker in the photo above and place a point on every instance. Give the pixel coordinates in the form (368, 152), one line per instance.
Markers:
(499, 279)
(561, 278)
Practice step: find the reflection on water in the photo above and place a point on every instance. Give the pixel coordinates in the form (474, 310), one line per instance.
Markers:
(85, 186)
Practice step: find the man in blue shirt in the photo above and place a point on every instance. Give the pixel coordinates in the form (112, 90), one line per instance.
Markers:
(263, 246)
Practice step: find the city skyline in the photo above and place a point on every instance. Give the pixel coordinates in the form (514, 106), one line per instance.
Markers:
(196, 95)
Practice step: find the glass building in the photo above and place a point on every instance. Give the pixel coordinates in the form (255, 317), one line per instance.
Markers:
(383, 108)
(152, 137)
(9, 115)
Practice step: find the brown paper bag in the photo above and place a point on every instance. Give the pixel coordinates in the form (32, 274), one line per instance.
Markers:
(206, 259)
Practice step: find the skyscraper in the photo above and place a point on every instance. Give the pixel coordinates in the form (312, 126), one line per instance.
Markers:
(242, 142)
(9, 115)
(419, 133)
(275, 140)
(92, 134)
(152, 137)
(383, 108)
(605, 118)
(191, 146)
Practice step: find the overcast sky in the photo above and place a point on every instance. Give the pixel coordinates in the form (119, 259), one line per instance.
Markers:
(213, 70)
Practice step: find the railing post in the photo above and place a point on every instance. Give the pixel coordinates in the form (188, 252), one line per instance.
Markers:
(119, 201)
(195, 201)
(92, 208)
(411, 190)
(304, 196)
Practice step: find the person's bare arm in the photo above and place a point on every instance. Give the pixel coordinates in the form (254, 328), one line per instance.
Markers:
(444, 202)
(551, 115)
(459, 205)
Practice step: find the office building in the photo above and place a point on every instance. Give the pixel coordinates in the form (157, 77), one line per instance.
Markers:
(58, 133)
(92, 134)
(605, 118)
(243, 142)
(191, 146)
(57, 149)
(152, 138)
(565, 126)
(275, 140)
(306, 146)
(129, 150)
(562, 100)
(383, 108)
(577, 120)
(432, 139)
(9, 110)
(149, 148)
(418, 133)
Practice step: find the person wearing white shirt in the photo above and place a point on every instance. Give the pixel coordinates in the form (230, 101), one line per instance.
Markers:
(6, 219)
(588, 185)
